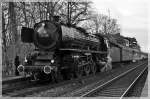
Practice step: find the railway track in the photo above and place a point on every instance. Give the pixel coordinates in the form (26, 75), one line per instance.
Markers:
(29, 88)
(20, 85)
(54, 89)
(118, 86)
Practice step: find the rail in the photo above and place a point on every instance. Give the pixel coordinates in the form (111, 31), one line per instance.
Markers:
(88, 93)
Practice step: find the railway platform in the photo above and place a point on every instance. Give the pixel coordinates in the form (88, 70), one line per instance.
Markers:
(11, 79)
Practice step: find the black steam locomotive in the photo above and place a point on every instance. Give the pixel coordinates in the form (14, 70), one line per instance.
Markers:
(69, 51)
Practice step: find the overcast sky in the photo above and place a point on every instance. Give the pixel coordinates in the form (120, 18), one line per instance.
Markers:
(132, 15)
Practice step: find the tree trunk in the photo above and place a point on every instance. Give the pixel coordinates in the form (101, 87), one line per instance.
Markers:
(68, 13)
(13, 32)
(3, 45)
(12, 22)
(3, 32)
(40, 11)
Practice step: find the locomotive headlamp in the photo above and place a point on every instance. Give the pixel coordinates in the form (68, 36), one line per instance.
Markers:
(52, 61)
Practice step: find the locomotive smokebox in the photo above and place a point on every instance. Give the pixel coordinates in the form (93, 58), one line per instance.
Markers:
(45, 35)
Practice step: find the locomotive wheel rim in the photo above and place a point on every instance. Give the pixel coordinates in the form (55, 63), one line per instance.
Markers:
(87, 70)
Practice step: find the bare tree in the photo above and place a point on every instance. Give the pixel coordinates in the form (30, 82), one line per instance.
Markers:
(25, 15)
(104, 24)
(74, 12)
(9, 34)
(3, 41)
(12, 22)
(3, 31)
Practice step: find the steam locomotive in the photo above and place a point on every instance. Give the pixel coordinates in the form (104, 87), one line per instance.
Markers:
(69, 51)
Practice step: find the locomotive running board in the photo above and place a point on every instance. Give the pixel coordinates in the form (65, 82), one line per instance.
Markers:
(87, 51)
